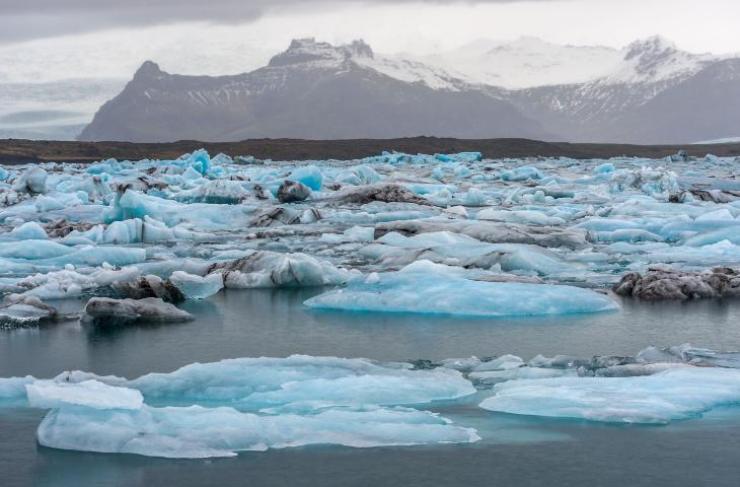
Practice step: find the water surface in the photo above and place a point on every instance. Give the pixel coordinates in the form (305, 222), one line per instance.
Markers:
(514, 450)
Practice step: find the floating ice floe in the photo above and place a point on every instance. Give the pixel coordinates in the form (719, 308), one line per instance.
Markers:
(19, 310)
(110, 311)
(218, 409)
(668, 284)
(424, 287)
(677, 393)
(271, 269)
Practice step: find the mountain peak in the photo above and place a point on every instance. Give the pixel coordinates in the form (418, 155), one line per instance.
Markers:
(651, 47)
(309, 50)
(149, 70)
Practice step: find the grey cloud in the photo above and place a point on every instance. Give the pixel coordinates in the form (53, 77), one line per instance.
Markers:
(31, 19)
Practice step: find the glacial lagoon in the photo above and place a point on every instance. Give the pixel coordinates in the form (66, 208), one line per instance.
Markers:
(415, 312)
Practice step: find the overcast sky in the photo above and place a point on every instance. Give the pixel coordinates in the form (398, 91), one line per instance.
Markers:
(51, 39)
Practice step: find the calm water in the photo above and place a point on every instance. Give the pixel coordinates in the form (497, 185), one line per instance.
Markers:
(515, 450)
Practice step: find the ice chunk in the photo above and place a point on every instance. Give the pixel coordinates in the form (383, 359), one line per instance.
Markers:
(33, 180)
(57, 285)
(386, 193)
(524, 216)
(89, 393)
(358, 175)
(34, 249)
(272, 269)
(29, 231)
(117, 311)
(138, 230)
(198, 160)
(301, 382)
(197, 287)
(20, 310)
(291, 192)
(461, 364)
(13, 389)
(149, 286)
(521, 173)
(218, 191)
(217, 409)
(677, 393)
(660, 284)
(441, 290)
(474, 197)
(490, 377)
(68, 283)
(505, 362)
(309, 176)
(196, 432)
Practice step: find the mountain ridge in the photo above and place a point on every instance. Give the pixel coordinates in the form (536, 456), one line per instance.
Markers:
(323, 91)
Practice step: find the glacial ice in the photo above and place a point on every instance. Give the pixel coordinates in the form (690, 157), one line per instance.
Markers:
(110, 311)
(217, 409)
(424, 287)
(253, 404)
(197, 287)
(20, 310)
(195, 432)
(271, 269)
(90, 394)
(29, 231)
(673, 394)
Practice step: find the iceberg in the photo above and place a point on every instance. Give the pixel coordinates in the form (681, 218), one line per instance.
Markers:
(20, 310)
(674, 394)
(29, 231)
(110, 311)
(195, 432)
(309, 176)
(197, 287)
(218, 409)
(300, 383)
(33, 181)
(271, 269)
(427, 288)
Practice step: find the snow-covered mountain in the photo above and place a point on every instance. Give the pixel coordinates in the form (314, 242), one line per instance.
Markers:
(527, 62)
(648, 92)
(312, 90)
(630, 104)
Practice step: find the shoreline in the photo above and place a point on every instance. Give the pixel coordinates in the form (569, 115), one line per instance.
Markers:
(20, 151)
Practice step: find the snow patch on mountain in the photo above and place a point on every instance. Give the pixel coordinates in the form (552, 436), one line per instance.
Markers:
(526, 62)
(656, 59)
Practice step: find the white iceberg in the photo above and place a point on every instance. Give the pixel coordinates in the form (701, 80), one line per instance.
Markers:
(677, 393)
(196, 432)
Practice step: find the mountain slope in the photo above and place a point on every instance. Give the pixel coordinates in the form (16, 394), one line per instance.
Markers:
(657, 95)
(653, 93)
(313, 90)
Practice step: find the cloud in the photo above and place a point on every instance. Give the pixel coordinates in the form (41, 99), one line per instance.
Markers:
(33, 19)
